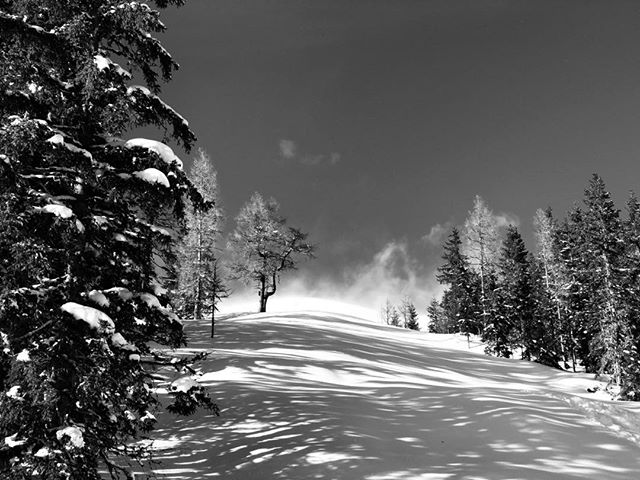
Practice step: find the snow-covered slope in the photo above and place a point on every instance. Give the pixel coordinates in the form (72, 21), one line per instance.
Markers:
(312, 395)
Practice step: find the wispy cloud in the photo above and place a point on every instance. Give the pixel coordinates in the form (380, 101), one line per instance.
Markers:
(329, 159)
(437, 234)
(289, 151)
(287, 148)
(505, 219)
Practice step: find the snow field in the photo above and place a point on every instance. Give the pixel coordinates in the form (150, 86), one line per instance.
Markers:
(335, 396)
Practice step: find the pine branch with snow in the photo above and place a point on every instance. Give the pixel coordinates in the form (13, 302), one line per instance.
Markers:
(89, 221)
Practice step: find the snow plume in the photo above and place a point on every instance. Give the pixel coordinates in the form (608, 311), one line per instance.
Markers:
(392, 273)
(328, 159)
(287, 148)
(289, 151)
(504, 219)
(437, 234)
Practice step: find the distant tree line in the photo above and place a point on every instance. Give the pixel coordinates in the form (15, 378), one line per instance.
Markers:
(405, 315)
(574, 301)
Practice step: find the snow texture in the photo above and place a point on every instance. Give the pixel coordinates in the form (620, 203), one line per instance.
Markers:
(14, 392)
(97, 320)
(23, 356)
(308, 394)
(103, 63)
(150, 300)
(152, 175)
(58, 210)
(183, 384)
(74, 434)
(119, 341)
(158, 289)
(98, 298)
(124, 293)
(42, 453)
(159, 148)
(58, 140)
(12, 441)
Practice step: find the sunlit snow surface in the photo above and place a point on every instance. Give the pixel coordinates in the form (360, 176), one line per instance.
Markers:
(314, 395)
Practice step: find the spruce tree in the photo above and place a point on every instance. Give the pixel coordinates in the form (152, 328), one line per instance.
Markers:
(604, 254)
(514, 324)
(412, 317)
(630, 381)
(579, 327)
(86, 217)
(437, 318)
(459, 302)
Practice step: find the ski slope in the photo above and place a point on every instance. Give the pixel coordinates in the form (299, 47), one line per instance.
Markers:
(309, 395)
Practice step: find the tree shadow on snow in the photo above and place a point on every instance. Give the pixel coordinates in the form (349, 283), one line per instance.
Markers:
(311, 396)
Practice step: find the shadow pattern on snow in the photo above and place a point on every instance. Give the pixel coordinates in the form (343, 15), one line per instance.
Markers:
(323, 396)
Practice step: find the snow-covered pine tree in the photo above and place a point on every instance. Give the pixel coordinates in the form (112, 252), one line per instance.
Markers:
(481, 247)
(580, 330)
(85, 216)
(514, 324)
(460, 302)
(394, 318)
(197, 253)
(263, 246)
(411, 316)
(604, 258)
(549, 281)
(437, 319)
(631, 371)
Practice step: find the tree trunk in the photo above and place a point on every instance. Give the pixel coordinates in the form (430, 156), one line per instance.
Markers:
(263, 294)
(197, 307)
(213, 317)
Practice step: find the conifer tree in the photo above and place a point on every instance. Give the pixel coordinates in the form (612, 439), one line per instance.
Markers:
(437, 318)
(630, 381)
(549, 282)
(579, 329)
(459, 302)
(514, 324)
(198, 273)
(605, 250)
(263, 246)
(411, 321)
(481, 248)
(394, 317)
(86, 215)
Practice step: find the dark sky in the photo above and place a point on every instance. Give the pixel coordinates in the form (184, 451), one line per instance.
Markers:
(374, 122)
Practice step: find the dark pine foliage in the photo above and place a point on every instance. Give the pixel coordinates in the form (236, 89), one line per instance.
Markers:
(85, 228)
(459, 309)
(574, 303)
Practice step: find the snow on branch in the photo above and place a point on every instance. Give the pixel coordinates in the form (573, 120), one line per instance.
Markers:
(163, 151)
(153, 176)
(10, 22)
(58, 140)
(96, 319)
(104, 63)
(148, 102)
